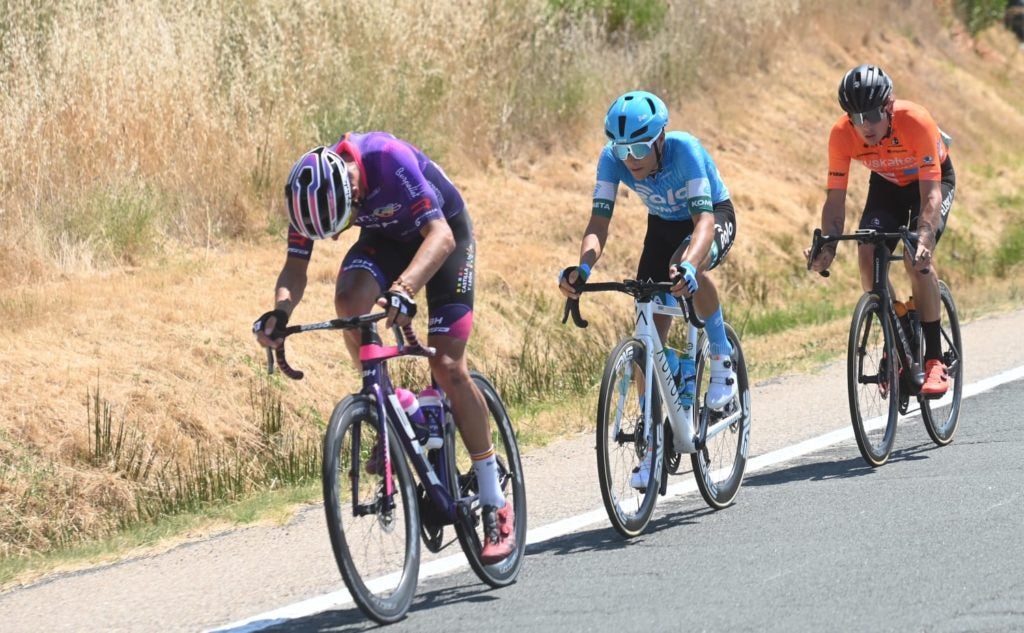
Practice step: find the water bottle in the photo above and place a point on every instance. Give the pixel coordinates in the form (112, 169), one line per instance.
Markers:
(433, 416)
(414, 411)
(905, 312)
(687, 378)
(684, 372)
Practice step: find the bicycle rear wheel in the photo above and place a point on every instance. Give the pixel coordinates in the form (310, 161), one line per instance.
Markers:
(513, 484)
(873, 380)
(942, 416)
(375, 537)
(625, 438)
(718, 467)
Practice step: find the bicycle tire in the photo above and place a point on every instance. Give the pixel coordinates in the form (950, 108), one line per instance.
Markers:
(623, 438)
(873, 380)
(370, 547)
(513, 484)
(719, 466)
(942, 417)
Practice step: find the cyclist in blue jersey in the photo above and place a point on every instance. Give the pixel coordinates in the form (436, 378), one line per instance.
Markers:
(691, 223)
(415, 233)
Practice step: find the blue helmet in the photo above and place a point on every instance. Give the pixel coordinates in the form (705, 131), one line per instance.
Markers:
(635, 116)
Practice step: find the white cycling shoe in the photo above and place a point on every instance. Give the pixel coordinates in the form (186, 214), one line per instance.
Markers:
(641, 474)
(722, 388)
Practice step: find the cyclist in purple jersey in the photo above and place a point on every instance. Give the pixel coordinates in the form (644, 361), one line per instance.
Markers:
(691, 223)
(414, 233)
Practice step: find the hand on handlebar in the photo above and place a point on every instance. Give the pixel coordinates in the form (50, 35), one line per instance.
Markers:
(923, 253)
(269, 328)
(685, 276)
(821, 263)
(400, 306)
(572, 279)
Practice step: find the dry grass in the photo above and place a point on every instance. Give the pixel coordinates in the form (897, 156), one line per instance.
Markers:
(142, 228)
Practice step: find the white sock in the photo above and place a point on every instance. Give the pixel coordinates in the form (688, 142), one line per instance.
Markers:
(485, 466)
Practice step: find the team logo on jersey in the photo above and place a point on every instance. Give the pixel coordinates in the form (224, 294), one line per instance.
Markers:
(928, 160)
(410, 188)
(895, 140)
(388, 210)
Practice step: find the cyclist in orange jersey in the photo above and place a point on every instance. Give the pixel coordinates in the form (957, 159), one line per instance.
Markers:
(912, 184)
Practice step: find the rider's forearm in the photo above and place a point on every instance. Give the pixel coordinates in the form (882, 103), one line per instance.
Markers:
(594, 239)
(437, 245)
(931, 203)
(291, 284)
(833, 212)
(700, 244)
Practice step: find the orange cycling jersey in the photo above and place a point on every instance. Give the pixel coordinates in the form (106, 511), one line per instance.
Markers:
(913, 150)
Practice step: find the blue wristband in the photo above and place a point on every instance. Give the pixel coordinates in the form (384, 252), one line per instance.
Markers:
(584, 269)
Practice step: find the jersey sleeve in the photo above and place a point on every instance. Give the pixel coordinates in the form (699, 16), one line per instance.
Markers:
(401, 163)
(607, 186)
(925, 141)
(299, 245)
(839, 157)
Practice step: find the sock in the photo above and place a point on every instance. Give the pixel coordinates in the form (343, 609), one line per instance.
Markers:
(714, 327)
(485, 466)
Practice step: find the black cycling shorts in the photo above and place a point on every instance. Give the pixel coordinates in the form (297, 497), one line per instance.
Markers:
(449, 291)
(889, 206)
(664, 237)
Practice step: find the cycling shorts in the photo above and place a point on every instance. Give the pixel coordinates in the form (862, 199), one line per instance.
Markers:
(889, 206)
(449, 291)
(664, 237)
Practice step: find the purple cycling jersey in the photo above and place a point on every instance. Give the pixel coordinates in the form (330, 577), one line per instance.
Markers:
(404, 190)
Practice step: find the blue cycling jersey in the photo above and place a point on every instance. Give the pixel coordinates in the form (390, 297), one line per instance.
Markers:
(687, 185)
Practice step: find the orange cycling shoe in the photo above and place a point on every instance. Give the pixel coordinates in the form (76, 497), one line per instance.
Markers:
(936, 381)
(499, 540)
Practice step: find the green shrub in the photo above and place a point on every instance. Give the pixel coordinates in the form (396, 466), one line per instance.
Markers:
(640, 16)
(977, 15)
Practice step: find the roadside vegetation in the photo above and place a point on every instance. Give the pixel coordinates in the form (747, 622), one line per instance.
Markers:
(144, 145)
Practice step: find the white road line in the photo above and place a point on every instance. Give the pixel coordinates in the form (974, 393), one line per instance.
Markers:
(547, 532)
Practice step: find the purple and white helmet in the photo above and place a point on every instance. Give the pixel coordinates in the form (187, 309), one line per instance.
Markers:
(319, 194)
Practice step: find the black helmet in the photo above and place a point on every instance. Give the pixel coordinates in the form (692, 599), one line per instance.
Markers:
(864, 88)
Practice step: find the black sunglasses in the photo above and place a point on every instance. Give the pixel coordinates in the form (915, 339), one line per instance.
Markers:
(871, 116)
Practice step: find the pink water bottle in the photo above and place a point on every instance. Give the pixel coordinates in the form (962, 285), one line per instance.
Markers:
(413, 410)
(433, 412)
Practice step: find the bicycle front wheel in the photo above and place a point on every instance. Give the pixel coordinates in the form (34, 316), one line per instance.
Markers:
(873, 380)
(513, 484)
(942, 416)
(719, 464)
(625, 439)
(374, 535)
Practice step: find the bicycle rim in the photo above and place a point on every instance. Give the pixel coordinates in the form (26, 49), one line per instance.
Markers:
(377, 549)
(718, 467)
(624, 437)
(872, 381)
(513, 484)
(942, 416)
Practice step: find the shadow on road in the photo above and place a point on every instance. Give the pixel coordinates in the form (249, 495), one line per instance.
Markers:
(822, 466)
(352, 619)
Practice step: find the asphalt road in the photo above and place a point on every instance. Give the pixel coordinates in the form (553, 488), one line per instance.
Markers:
(929, 542)
(932, 541)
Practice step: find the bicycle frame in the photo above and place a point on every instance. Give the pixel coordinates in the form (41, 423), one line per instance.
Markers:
(690, 434)
(687, 433)
(883, 258)
(377, 387)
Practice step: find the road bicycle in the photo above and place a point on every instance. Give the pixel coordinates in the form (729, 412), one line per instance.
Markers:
(885, 357)
(639, 411)
(377, 513)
